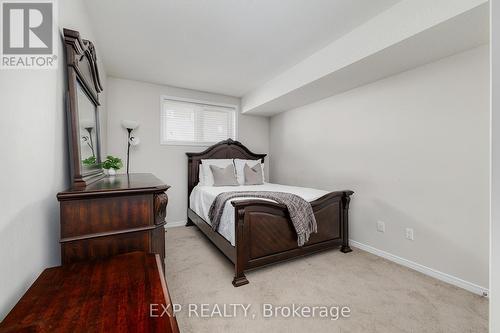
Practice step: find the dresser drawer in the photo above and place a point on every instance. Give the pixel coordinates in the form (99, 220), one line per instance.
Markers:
(104, 247)
(107, 246)
(96, 215)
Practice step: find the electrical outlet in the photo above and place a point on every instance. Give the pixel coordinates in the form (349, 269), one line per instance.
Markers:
(380, 226)
(409, 234)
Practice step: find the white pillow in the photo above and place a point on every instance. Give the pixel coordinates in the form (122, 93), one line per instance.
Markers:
(240, 165)
(201, 179)
(208, 178)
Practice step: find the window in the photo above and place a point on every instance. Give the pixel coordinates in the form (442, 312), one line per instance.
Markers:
(186, 122)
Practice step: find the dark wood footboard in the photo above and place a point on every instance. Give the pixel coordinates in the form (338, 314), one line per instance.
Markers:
(264, 233)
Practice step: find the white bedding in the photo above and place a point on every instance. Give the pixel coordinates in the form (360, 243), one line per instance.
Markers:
(201, 199)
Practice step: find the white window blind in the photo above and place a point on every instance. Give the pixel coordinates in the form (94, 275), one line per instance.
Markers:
(194, 123)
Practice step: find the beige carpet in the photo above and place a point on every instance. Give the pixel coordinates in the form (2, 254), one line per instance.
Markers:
(383, 296)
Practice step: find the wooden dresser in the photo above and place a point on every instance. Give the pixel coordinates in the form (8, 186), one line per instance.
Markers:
(111, 295)
(111, 216)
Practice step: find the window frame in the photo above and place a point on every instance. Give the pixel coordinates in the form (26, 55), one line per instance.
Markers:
(163, 98)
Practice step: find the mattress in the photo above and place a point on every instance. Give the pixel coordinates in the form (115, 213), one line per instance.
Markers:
(202, 197)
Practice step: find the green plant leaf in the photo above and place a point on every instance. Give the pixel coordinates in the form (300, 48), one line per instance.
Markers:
(90, 161)
(112, 162)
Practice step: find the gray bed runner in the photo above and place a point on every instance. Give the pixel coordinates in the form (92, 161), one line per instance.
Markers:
(300, 210)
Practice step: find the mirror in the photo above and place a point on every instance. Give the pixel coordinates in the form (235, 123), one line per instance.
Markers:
(84, 87)
(89, 145)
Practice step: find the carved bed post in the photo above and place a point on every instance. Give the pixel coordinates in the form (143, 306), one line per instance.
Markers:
(241, 231)
(346, 199)
(191, 184)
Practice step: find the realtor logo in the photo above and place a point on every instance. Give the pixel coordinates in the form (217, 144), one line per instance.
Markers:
(28, 34)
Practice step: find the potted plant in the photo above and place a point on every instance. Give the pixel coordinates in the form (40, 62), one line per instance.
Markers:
(111, 164)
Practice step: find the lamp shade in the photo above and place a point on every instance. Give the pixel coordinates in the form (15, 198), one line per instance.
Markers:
(130, 124)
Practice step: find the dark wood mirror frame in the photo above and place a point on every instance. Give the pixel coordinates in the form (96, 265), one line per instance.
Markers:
(81, 71)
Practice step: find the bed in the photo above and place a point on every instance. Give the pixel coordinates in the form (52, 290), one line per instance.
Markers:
(257, 232)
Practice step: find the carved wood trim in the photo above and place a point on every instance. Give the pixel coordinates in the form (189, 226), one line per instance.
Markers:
(80, 55)
(346, 199)
(78, 50)
(160, 207)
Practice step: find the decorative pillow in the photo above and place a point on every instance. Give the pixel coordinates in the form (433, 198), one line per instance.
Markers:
(224, 176)
(208, 178)
(253, 176)
(240, 165)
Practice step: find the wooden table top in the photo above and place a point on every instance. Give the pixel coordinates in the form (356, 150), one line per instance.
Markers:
(112, 295)
(134, 182)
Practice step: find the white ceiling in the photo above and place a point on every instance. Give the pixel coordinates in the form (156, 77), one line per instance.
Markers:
(222, 46)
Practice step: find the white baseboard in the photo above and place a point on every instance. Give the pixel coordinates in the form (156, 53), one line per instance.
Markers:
(173, 224)
(474, 288)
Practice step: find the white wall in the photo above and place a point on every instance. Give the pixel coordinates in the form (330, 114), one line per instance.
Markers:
(140, 101)
(34, 166)
(414, 148)
(495, 170)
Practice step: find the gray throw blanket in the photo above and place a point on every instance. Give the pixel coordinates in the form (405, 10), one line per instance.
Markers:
(300, 210)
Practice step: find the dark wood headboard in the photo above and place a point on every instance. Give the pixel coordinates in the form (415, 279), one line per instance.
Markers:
(224, 149)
